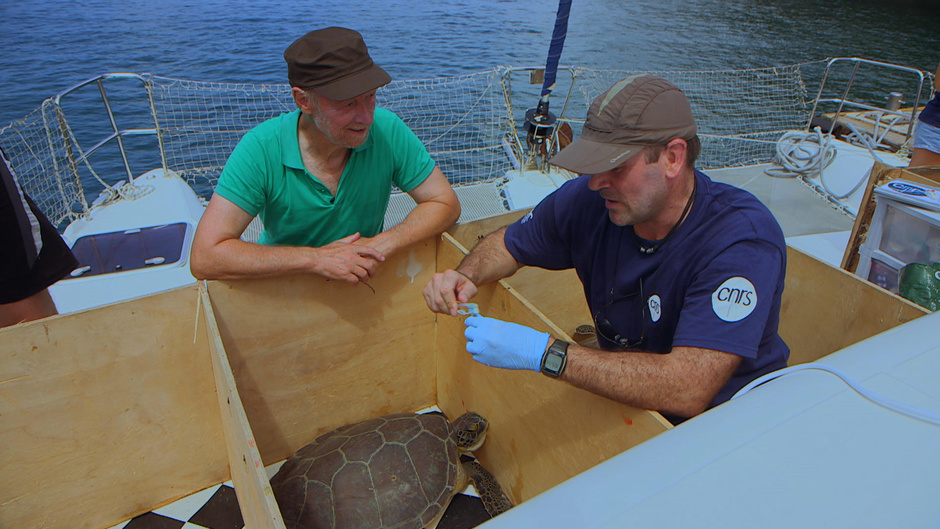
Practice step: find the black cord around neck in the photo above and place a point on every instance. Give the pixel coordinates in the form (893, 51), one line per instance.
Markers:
(650, 250)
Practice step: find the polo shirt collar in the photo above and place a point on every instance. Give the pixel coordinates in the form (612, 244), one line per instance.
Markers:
(290, 154)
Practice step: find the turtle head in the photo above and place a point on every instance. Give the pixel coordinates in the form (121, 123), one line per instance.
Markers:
(469, 431)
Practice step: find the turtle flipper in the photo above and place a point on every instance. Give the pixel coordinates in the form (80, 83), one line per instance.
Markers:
(494, 499)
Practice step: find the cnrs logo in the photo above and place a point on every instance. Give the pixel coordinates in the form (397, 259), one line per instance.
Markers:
(735, 299)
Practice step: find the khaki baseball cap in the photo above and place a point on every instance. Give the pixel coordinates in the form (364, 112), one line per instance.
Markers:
(633, 113)
(333, 62)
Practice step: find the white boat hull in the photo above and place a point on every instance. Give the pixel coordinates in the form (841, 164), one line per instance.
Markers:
(171, 201)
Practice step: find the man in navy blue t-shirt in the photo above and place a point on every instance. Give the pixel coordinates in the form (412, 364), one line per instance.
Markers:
(684, 273)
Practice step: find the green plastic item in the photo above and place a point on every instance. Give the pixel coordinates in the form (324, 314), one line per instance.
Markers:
(920, 283)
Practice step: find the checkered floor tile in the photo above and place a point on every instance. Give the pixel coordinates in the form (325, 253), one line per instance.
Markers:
(217, 508)
(213, 508)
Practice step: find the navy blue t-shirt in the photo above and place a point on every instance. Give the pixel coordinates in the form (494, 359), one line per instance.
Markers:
(931, 112)
(714, 284)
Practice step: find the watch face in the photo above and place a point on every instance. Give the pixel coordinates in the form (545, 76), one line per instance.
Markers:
(553, 362)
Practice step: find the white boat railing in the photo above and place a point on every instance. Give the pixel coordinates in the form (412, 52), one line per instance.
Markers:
(471, 124)
(891, 108)
(117, 134)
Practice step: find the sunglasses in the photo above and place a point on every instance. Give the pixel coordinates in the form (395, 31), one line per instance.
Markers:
(606, 330)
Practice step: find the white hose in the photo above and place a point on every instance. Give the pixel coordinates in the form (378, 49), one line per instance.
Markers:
(893, 405)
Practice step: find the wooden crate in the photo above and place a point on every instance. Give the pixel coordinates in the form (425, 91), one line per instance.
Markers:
(112, 412)
(881, 174)
(825, 309)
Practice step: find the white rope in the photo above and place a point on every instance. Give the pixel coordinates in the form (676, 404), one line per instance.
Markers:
(808, 154)
(802, 153)
(888, 125)
(121, 191)
(863, 139)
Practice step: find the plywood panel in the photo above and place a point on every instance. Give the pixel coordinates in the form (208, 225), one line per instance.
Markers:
(106, 413)
(930, 172)
(468, 234)
(558, 294)
(542, 431)
(310, 354)
(255, 497)
(825, 309)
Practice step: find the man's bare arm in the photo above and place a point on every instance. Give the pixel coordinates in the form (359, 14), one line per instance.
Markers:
(489, 260)
(682, 382)
(219, 253)
(437, 209)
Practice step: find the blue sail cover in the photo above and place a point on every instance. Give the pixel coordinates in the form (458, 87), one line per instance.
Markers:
(554, 50)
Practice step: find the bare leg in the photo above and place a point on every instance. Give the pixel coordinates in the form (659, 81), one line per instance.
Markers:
(37, 306)
(921, 157)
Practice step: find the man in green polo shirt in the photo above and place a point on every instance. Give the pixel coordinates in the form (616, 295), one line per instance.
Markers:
(320, 177)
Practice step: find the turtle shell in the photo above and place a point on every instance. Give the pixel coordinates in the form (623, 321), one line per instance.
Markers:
(393, 471)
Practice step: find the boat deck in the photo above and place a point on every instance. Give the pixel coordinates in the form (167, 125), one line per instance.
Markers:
(798, 208)
(811, 218)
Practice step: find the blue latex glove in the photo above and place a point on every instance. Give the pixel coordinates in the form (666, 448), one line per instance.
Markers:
(498, 343)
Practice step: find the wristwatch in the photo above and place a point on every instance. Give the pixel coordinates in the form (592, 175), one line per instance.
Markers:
(555, 359)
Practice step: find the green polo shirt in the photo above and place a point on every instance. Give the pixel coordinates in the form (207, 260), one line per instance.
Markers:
(265, 176)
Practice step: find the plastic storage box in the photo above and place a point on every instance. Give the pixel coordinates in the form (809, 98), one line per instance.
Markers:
(899, 234)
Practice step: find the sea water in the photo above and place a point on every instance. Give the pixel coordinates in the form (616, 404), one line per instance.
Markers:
(50, 45)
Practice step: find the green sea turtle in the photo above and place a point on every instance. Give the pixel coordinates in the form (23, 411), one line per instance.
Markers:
(397, 471)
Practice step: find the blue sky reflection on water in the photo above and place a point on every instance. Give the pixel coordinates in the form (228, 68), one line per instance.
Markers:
(51, 45)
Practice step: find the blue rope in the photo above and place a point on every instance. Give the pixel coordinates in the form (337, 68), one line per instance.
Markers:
(554, 50)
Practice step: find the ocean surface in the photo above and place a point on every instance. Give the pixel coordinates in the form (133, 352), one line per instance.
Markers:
(50, 45)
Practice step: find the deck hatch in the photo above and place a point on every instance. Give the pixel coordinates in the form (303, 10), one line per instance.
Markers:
(120, 251)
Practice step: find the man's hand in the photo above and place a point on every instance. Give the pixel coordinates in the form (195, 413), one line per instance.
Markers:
(380, 242)
(498, 343)
(345, 261)
(445, 290)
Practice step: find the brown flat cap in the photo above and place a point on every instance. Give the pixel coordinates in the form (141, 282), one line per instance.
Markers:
(333, 62)
(631, 114)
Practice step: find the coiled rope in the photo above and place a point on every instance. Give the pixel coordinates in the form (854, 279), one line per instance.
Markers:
(808, 154)
(121, 191)
(803, 153)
